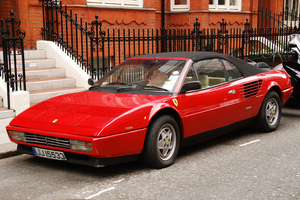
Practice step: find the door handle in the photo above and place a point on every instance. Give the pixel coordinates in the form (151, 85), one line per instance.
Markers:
(231, 92)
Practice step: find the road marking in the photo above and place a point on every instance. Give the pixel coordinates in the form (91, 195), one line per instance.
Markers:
(249, 143)
(102, 191)
(119, 181)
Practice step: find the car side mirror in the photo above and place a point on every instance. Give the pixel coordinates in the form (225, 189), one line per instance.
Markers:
(193, 85)
(91, 81)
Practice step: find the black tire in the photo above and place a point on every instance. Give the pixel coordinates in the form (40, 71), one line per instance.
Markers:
(162, 143)
(269, 116)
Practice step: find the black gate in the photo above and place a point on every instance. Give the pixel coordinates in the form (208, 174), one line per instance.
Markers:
(12, 67)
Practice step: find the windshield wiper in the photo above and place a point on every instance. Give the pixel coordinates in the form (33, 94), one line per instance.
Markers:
(113, 83)
(117, 83)
(125, 89)
(95, 86)
(155, 87)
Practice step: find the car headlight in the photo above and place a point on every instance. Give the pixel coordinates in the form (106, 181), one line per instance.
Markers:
(78, 145)
(16, 135)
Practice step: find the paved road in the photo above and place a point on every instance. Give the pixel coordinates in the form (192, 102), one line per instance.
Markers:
(244, 164)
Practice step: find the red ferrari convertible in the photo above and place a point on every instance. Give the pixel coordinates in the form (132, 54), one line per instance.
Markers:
(149, 106)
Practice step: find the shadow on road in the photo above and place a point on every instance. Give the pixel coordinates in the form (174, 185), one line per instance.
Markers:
(135, 167)
(132, 167)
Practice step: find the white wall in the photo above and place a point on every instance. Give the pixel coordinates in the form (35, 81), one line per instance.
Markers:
(19, 100)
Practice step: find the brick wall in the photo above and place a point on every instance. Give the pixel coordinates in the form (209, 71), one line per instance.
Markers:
(6, 7)
(30, 13)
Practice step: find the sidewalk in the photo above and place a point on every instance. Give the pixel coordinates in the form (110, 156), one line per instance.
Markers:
(6, 146)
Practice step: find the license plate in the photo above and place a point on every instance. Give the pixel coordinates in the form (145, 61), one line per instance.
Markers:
(51, 154)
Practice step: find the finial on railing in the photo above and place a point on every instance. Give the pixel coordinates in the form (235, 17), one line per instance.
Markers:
(196, 29)
(223, 25)
(196, 24)
(247, 26)
(12, 13)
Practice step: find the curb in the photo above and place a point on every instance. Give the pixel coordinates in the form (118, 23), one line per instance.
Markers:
(9, 154)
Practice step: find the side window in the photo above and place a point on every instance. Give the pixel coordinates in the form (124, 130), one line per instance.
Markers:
(210, 72)
(191, 75)
(232, 71)
(180, 5)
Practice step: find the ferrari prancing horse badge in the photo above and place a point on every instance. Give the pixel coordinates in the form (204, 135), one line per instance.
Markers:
(175, 102)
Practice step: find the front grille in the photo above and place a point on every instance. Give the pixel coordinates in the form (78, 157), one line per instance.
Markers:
(48, 141)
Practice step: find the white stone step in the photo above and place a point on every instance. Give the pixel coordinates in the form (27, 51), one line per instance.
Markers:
(29, 54)
(34, 54)
(38, 96)
(45, 73)
(6, 113)
(35, 63)
(46, 84)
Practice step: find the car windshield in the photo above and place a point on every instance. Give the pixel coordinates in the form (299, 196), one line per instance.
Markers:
(143, 74)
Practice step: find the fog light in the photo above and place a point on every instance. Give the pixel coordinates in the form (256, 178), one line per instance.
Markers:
(16, 135)
(78, 145)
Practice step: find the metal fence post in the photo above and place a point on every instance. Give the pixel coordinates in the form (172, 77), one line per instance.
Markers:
(222, 36)
(12, 37)
(245, 38)
(97, 43)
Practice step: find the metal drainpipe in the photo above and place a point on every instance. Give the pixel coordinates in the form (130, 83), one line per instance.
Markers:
(162, 14)
(162, 25)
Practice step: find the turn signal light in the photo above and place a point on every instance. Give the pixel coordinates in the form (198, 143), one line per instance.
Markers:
(16, 135)
(84, 146)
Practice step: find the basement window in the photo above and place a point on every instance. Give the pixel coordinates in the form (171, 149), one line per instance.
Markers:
(225, 5)
(180, 5)
(115, 3)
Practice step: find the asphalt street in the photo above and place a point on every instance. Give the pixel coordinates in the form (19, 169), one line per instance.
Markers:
(245, 164)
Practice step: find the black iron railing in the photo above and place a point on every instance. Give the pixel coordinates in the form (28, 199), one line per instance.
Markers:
(289, 18)
(12, 67)
(98, 50)
(267, 19)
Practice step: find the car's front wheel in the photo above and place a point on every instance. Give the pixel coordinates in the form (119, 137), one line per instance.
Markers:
(270, 113)
(162, 142)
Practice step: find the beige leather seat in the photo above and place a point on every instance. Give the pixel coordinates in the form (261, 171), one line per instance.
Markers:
(216, 80)
(204, 80)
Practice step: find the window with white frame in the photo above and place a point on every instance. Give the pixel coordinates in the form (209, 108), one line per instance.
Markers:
(117, 3)
(225, 5)
(180, 5)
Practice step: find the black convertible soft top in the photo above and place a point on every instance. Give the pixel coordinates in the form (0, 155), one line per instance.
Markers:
(245, 68)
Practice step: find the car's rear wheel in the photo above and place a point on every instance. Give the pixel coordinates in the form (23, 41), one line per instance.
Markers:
(269, 116)
(162, 142)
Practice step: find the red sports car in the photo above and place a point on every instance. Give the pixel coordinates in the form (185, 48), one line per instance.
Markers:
(149, 106)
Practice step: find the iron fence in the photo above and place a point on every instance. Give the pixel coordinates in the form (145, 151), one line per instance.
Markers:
(12, 70)
(97, 50)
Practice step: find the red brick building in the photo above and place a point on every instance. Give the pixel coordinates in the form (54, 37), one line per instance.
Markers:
(144, 14)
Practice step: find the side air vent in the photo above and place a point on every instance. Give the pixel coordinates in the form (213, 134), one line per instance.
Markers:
(251, 89)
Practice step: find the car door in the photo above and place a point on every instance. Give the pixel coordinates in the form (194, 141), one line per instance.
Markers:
(215, 104)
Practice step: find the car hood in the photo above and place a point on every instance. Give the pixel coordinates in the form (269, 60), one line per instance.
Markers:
(89, 113)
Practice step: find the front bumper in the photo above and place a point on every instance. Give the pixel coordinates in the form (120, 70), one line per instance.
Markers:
(107, 150)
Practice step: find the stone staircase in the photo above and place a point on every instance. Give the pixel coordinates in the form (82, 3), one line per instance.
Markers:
(44, 79)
